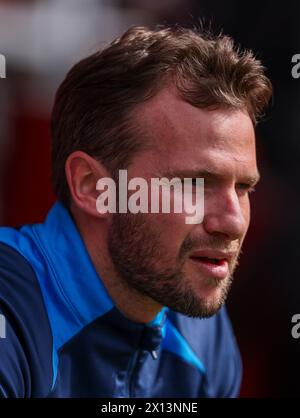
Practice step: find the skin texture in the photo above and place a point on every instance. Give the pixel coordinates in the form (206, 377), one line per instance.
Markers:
(144, 259)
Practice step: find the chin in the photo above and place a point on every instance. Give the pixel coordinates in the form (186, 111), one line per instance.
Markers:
(211, 296)
(210, 291)
(204, 309)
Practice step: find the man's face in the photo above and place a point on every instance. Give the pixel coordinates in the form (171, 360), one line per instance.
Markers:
(188, 267)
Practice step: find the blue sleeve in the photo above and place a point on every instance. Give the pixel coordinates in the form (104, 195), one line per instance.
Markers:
(26, 341)
(14, 368)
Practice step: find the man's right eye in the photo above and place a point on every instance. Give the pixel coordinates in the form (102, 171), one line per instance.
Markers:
(246, 188)
(194, 181)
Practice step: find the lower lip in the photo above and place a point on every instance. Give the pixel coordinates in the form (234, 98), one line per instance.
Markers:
(219, 271)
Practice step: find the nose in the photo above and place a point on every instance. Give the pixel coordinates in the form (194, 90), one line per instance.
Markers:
(226, 213)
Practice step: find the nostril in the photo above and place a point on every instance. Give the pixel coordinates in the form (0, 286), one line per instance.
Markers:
(228, 225)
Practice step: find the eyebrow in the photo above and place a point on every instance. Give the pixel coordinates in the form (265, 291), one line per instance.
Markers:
(209, 174)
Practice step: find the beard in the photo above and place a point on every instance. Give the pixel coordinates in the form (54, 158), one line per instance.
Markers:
(140, 259)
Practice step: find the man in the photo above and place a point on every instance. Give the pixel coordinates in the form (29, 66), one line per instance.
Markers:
(113, 304)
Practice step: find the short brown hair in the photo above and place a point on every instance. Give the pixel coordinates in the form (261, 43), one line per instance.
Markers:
(93, 109)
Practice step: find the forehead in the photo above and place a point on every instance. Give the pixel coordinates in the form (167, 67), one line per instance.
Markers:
(182, 135)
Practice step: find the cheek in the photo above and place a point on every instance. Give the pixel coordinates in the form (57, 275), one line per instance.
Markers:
(172, 230)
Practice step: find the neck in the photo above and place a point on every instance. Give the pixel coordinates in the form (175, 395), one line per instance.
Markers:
(131, 303)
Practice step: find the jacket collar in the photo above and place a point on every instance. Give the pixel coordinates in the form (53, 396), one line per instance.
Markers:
(72, 267)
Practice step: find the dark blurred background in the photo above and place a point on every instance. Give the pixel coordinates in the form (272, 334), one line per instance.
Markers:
(42, 39)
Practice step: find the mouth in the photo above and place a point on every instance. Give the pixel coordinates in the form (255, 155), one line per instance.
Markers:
(215, 261)
(216, 267)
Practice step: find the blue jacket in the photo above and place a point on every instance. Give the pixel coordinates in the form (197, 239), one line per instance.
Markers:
(66, 338)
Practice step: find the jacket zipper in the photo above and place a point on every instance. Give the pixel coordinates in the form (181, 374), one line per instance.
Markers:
(130, 373)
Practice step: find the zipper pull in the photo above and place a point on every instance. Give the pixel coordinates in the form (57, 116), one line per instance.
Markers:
(154, 354)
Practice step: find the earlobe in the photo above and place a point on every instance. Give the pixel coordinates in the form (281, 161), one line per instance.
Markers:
(82, 173)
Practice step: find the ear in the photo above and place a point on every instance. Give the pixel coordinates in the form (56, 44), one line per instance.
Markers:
(82, 173)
